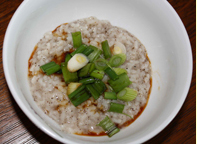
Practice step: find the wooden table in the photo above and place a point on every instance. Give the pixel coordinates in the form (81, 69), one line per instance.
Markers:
(15, 127)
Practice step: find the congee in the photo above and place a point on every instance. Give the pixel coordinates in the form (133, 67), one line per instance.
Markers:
(90, 77)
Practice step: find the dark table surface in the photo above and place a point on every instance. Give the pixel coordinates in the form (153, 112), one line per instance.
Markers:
(15, 127)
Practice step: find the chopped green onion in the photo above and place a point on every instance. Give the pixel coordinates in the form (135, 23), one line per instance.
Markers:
(115, 107)
(92, 68)
(46, 66)
(80, 98)
(87, 51)
(93, 47)
(110, 95)
(68, 76)
(79, 89)
(50, 68)
(111, 73)
(120, 71)
(108, 126)
(119, 84)
(59, 72)
(93, 92)
(53, 69)
(118, 108)
(101, 64)
(95, 54)
(127, 94)
(63, 64)
(87, 80)
(97, 74)
(99, 86)
(72, 87)
(68, 57)
(86, 70)
(77, 40)
(106, 49)
(117, 60)
(82, 48)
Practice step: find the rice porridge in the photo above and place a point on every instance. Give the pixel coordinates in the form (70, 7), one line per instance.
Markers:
(50, 92)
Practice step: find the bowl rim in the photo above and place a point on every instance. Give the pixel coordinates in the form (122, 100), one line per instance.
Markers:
(45, 130)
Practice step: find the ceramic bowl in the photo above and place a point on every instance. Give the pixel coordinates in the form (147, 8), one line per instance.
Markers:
(154, 22)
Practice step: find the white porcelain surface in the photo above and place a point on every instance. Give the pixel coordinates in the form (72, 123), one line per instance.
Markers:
(153, 22)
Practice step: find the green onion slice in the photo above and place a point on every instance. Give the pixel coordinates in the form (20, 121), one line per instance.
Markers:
(68, 76)
(111, 73)
(101, 64)
(93, 92)
(87, 80)
(106, 49)
(87, 51)
(80, 98)
(127, 94)
(108, 126)
(115, 107)
(67, 58)
(50, 68)
(99, 86)
(120, 71)
(119, 84)
(118, 108)
(95, 54)
(117, 60)
(97, 74)
(79, 89)
(77, 39)
(92, 68)
(84, 72)
(82, 48)
(110, 95)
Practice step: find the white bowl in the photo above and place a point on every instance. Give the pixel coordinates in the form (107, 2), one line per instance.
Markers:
(154, 22)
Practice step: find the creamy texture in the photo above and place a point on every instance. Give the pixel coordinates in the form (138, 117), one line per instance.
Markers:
(50, 92)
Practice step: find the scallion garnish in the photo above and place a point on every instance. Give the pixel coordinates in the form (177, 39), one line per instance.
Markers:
(115, 107)
(127, 94)
(99, 86)
(118, 108)
(77, 40)
(67, 58)
(87, 51)
(93, 92)
(119, 84)
(101, 64)
(120, 71)
(110, 95)
(117, 60)
(50, 68)
(99, 74)
(82, 48)
(108, 126)
(79, 89)
(59, 72)
(68, 76)
(106, 49)
(48, 65)
(111, 73)
(72, 87)
(91, 69)
(95, 54)
(87, 80)
(85, 71)
(80, 98)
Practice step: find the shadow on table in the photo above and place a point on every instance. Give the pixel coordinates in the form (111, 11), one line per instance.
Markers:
(36, 133)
